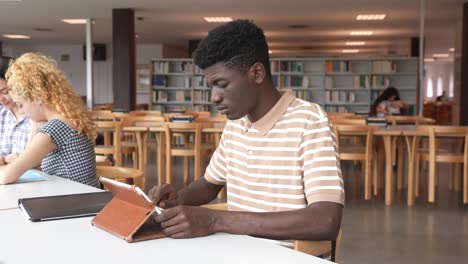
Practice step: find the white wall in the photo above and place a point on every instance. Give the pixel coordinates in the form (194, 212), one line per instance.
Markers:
(75, 67)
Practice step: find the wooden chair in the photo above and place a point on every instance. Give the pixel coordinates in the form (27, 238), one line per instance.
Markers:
(114, 145)
(111, 145)
(456, 138)
(145, 113)
(123, 174)
(355, 121)
(102, 115)
(399, 152)
(175, 132)
(314, 248)
(357, 152)
(146, 121)
(102, 160)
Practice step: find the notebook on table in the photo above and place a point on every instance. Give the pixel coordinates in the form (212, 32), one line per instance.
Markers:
(63, 206)
(32, 176)
(129, 214)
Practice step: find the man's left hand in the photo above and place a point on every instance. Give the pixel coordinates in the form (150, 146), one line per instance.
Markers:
(186, 221)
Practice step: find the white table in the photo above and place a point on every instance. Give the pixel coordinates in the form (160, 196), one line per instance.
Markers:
(77, 241)
(10, 193)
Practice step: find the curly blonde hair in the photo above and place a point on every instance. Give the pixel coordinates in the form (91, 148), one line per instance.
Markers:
(35, 76)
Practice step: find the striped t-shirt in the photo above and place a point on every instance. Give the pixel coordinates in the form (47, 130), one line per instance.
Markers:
(284, 161)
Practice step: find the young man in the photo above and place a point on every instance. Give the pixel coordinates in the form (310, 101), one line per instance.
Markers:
(276, 157)
(14, 126)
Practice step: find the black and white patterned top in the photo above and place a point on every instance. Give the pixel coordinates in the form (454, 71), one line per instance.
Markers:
(74, 156)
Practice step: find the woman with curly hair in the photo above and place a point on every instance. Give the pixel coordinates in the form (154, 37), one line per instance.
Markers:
(63, 146)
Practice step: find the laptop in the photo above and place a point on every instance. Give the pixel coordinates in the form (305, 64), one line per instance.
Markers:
(63, 206)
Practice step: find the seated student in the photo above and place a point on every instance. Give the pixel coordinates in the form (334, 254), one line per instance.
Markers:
(14, 126)
(388, 103)
(63, 146)
(277, 155)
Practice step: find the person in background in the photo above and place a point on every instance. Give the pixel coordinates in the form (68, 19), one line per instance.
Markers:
(388, 103)
(14, 126)
(277, 155)
(63, 146)
(442, 98)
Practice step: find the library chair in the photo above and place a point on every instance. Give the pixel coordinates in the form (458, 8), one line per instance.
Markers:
(102, 160)
(349, 150)
(356, 121)
(122, 174)
(143, 121)
(114, 146)
(447, 144)
(145, 113)
(107, 107)
(398, 151)
(184, 140)
(314, 248)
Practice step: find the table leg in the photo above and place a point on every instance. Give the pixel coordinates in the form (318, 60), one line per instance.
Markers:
(388, 169)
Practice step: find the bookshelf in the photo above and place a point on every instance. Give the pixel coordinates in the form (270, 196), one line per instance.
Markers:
(337, 84)
(143, 84)
(346, 84)
(178, 85)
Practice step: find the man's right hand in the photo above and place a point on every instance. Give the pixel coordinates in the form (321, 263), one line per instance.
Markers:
(164, 195)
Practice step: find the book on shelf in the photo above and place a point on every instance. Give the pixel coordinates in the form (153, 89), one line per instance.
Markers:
(340, 97)
(361, 81)
(338, 66)
(159, 96)
(160, 67)
(380, 81)
(384, 66)
(159, 81)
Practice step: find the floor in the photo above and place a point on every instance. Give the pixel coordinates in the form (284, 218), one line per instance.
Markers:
(375, 233)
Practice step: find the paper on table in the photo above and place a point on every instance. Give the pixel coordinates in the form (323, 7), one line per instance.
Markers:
(32, 176)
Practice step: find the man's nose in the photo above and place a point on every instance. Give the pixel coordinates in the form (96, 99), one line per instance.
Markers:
(215, 96)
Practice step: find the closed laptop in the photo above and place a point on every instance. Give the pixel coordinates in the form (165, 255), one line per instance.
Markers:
(64, 206)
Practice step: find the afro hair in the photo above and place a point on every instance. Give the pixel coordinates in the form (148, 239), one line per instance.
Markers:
(238, 44)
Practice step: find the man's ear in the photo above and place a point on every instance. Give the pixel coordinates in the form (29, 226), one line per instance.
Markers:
(258, 72)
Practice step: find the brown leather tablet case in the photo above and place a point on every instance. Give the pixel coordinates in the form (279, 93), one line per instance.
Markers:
(128, 214)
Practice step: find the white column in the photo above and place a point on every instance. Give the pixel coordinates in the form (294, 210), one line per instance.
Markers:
(421, 56)
(89, 63)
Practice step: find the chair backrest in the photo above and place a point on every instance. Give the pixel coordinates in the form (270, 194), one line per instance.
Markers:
(102, 115)
(145, 113)
(348, 121)
(185, 131)
(351, 131)
(123, 174)
(409, 120)
(112, 132)
(142, 121)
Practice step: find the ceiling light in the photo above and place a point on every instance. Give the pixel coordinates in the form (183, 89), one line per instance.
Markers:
(350, 51)
(269, 51)
(371, 17)
(355, 43)
(14, 36)
(428, 59)
(74, 20)
(218, 19)
(361, 33)
(452, 49)
(440, 55)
